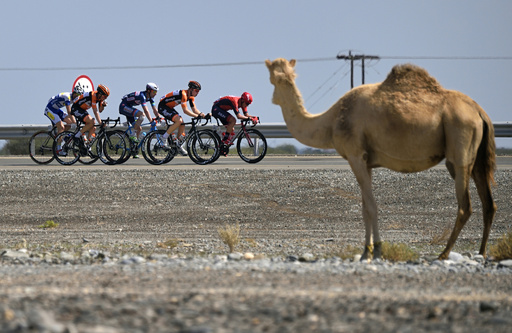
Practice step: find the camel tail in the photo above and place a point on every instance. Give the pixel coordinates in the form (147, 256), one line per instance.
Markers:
(486, 155)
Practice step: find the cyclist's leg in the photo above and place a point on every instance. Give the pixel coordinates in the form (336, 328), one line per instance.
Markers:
(56, 116)
(173, 116)
(80, 115)
(226, 119)
(130, 113)
(69, 120)
(88, 125)
(230, 129)
(140, 118)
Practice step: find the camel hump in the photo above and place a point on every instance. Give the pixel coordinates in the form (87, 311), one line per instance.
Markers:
(407, 77)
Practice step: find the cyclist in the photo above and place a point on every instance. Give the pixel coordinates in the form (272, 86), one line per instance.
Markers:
(128, 103)
(220, 110)
(57, 116)
(95, 99)
(166, 107)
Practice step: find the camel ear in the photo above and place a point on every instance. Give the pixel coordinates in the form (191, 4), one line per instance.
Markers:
(292, 62)
(268, 63)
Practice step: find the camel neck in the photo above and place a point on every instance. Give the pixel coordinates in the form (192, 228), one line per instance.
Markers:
(314, 130)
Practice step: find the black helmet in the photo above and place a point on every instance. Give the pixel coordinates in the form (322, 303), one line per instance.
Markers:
(194, 85)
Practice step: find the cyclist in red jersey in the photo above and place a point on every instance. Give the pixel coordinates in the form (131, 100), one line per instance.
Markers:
(221, 107)
(95, 99)
(166, 107)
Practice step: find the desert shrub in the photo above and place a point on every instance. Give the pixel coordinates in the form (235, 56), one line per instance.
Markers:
(230, 235)
(503, 248)
(398, 252)
(48, 225)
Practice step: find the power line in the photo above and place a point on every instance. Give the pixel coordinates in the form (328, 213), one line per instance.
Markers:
(222, 64)
(447, 58)
(244, 63)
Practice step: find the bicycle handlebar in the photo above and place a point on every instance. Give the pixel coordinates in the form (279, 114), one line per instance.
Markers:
(108, 120)
(243, 122)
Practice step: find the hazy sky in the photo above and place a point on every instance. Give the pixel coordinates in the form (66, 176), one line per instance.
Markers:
(40, 38)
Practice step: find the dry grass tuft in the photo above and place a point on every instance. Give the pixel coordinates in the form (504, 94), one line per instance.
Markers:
(168, 244)
(503, 248)
(347, 252)
(398, 252)
(49, 224)
(230, 236)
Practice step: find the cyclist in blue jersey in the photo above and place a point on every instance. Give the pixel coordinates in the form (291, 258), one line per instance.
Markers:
(62, 120)
(133, 115)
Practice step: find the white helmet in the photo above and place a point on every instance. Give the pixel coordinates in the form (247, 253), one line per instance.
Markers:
(151, 86)
(78, 89)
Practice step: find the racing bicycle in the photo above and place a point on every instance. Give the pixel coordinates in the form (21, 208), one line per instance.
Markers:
(131, 147)
(75, 149)
(202, 145)
(251, 144)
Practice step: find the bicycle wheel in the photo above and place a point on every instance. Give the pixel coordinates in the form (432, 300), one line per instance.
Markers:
(203, 147)
(114, 146)
(40, 147)
(101, 155)
(252, 146)
(154, 152)
(70, 148)
(92, 154)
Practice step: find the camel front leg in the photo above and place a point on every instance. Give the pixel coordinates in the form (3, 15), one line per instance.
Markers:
(464, 208)
(364, 178)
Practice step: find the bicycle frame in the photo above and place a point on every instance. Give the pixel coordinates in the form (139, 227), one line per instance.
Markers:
(140, 143)
(242, 131)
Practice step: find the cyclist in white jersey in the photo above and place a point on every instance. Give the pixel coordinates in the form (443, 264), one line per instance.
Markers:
(56, 115)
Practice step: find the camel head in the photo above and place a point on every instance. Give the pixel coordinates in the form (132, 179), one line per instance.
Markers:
(282, 74)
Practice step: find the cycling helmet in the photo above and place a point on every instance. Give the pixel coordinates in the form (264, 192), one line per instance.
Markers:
(247, 98)
(78, 89)
(151, 86)
(103, 89)
(194, 85)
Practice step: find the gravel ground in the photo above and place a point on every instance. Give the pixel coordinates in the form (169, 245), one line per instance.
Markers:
(139, 251)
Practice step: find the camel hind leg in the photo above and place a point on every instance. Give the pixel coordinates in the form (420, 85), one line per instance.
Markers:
(464, 205)
(483, 187)
(364, 178)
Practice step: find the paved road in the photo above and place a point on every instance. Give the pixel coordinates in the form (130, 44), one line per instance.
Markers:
(269, 162)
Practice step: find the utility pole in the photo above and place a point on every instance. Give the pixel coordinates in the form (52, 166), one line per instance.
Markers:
(353, 57)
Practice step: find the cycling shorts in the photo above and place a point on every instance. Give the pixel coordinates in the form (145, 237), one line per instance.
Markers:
(79, 113)
(55, 115)
(167, 112)
(221, 114)
(128, 111)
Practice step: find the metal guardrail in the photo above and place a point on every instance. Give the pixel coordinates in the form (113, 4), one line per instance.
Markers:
(271, 130)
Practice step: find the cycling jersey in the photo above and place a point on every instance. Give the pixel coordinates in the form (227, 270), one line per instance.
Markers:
(85, 101)
(227, 103)
(175, 98)
(53, 108)
(59, 101)
(128, 103)
(136, 98)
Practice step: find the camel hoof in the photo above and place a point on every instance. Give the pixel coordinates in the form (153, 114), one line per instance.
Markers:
(377, 250)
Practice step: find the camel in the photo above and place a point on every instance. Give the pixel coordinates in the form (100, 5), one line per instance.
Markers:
(407, 123)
